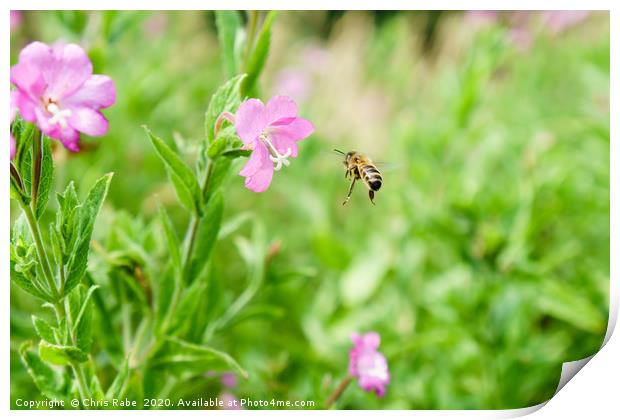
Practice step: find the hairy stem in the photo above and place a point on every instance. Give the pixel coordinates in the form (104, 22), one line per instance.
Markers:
(338, 391)
(38, 242)
(78, 372)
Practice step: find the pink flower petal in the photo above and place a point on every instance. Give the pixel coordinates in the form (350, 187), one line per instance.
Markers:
(296, 129)
(88, 121)
(28, 80)
(258, 170)
(65, 67)
(250, 120)
(97, 92)
(372, 340)
(68, 136)
(26, 106)
(280, 107)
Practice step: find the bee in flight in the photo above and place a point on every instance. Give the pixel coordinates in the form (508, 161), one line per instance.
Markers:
(359, 166)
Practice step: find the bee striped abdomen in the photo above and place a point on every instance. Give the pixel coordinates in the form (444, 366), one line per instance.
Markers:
(372, 177)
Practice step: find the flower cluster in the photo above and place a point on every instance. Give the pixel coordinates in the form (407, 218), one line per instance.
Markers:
(56, 89)
(367, 364)
(272, 132)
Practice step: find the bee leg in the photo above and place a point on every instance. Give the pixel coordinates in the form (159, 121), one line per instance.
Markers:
(371, 195)
(350, 191)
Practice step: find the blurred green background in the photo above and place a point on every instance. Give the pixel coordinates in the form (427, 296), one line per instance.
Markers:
(484, 264)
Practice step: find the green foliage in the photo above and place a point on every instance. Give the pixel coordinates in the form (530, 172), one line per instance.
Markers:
(484, 264)
(207, 234)
(226, 99)
(82, 230)
(228, 27)
(44, 377)
(60, 355)
(180, 174)
(258, 56)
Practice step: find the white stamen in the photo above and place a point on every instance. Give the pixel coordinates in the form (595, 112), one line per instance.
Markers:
(275, 156)
(58, 116)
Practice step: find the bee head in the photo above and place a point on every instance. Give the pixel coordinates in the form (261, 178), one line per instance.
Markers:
(348, 157)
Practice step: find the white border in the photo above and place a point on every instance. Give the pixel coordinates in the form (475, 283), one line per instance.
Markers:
(595, 389)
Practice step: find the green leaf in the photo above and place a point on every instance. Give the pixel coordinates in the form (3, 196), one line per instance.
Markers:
(82, 325)
(558, 301)
(181, 175)
(217, 147)
(96, 391)
(61, 355)
(27, 285)
(226, 98)
(221, 170)
(172, 239)
(183, 351)
(207, 234)
(46, 180)
(43, 329)
(23, 158)
(228, 23)
(78, 261)
(43, 376)
(168, 287)
(257, 59)
(187, 307)
(116, 390)
(235, 153)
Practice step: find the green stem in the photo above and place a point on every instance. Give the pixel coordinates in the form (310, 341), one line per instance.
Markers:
(78, 372)
(38, 242)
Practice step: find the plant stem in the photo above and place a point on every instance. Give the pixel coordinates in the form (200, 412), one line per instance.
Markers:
(78, 372)
(338, 391)
(38, 242)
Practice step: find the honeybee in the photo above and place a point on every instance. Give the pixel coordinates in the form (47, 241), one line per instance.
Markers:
(359, 166)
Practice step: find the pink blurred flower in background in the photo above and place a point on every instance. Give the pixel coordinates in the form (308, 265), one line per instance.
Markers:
(557, 21)
(228, 379)
(16, 20)
(155, 25)
(295, 83)
(56, 88)
(230, 401)
(519, 22)
(367, 364)
(272, 132)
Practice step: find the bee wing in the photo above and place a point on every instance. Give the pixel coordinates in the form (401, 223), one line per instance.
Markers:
(388, 166)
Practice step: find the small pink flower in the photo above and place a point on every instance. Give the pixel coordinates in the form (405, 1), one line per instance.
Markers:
(56, 88)
(272, 132)
(230, 402)
(228, 379)
(367, 364)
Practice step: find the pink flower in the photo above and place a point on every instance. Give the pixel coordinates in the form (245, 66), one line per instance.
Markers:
(272, 132)
(13, 113)
(367, 364)
(56, 88)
